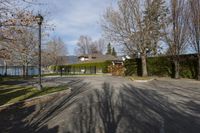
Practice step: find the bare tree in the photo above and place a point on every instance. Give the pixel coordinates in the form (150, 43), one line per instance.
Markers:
(87, 46)
(24, 50)
(13, 14)
(177, 32)
(5, 55)
(194, 27)
(16, 30)
(53, 53)
(136, 24)
(17, 20)
(100, 45)
(84, 44)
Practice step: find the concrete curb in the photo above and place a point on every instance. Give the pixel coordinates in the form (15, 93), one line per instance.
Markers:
(143, 81)
(37, 100)
(181, 79)
(95, 75)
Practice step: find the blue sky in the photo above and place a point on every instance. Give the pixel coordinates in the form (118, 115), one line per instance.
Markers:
(73, 18)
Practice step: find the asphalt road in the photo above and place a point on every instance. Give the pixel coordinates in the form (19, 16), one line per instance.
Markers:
(105, 104)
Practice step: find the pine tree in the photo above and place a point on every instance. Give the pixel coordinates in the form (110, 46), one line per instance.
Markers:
(109, 49)
(114, 52)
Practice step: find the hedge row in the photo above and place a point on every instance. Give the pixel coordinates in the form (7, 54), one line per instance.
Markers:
(163, 66)
(102, 65)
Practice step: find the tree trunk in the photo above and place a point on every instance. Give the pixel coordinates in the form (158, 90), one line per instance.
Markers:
(198, 74)
(6, 69)
(176, 68)
(24, 73)
(26, 70)
(144, 65)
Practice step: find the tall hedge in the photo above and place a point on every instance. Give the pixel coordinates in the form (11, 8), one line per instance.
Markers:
(163, 66)
(189, 66)
(131, 67)
(159, 66)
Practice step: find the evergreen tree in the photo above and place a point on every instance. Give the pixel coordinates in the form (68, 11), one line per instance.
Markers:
(114, 52)
(109, 49)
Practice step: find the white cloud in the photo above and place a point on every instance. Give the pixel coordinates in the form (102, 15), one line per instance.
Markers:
(73, 18)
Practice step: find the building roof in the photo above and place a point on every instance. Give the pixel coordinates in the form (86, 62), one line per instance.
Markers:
(98, 58)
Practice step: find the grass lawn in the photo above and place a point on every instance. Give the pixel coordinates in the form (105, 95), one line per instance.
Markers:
(13, 78)
(15, 93)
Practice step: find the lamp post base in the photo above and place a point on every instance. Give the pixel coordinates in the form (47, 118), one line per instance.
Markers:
(39, 87)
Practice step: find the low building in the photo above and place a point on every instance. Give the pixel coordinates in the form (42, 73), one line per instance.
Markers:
(91, 64)
(96, 58)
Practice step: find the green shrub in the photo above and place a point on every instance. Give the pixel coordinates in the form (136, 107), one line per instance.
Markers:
(87, 66)
(186, 74)
(159, 66)
(52, 68)
(105, 66)
(130, 67)
(1, 79)
(188, 66)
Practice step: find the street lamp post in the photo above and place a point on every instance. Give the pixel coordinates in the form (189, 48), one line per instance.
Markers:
(39, 19)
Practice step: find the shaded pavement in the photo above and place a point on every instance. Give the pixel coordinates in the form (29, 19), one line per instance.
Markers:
(111, 105)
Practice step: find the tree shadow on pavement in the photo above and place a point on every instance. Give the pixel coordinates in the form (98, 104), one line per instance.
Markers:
(194, 106)
(159, 112)
(100, 112)
(23, 119)
(13, 120)
(16, 82)
(132, 110)
(126, 109)
(109, 111)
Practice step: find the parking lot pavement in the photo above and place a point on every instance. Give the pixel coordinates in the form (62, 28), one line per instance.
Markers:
(106, 104)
